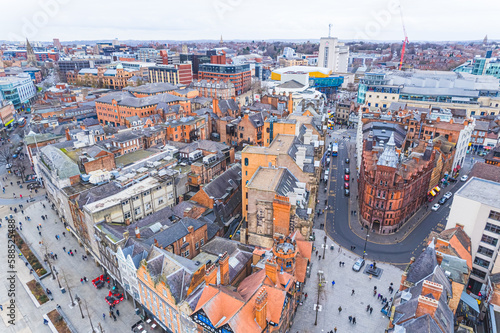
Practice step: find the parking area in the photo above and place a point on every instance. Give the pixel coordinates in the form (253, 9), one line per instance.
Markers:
(331, 297)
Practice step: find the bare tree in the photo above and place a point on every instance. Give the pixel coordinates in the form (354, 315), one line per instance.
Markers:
(5, 155)
(19, 166)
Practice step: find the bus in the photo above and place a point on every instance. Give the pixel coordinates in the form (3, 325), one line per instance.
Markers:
(21, 122)
(335, 149)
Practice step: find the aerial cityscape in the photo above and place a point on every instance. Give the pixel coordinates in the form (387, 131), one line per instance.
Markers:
(249, 167)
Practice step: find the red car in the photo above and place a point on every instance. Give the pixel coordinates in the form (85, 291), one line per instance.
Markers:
(346, 178)
(346, 185)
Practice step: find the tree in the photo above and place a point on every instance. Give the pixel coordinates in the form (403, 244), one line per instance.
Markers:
(5, 155)
(19, 166)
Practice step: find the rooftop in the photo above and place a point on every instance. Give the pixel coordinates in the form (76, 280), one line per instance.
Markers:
(480, 190)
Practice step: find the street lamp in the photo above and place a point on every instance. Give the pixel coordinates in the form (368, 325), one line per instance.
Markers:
(366, 240)
(77, 298)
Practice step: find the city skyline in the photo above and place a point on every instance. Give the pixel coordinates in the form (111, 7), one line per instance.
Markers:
(69, 21)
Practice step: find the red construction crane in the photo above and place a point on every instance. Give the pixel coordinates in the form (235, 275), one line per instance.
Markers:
(405, 41)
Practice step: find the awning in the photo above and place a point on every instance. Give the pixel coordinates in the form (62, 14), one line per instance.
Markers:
(437, 189)
(432, 192)
(9, 122)
(470, 301)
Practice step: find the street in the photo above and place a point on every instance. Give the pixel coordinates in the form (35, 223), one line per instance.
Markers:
(345, 229)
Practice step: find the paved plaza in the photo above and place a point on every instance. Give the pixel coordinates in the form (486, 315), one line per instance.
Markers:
(29, 316)
(331, 298)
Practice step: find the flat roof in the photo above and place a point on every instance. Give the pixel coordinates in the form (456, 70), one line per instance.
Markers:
(281, 144)
(484, 191)
(266, 179)
(127, 193)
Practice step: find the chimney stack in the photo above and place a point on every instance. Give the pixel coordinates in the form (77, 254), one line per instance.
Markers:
(425, 306)
(272, 270)
(224, 268)
(433, 288)
(261, 308)
(210, 274)
(137, 232)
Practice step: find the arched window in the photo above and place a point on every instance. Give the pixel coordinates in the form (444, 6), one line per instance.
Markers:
(246, 161)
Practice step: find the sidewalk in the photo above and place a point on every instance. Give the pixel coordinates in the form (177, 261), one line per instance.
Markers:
(330, 298)
(29, 316)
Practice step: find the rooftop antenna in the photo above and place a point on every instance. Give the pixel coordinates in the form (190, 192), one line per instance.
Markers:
(329, 30)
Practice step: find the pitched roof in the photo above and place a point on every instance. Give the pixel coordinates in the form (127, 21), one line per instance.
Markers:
(230, 179)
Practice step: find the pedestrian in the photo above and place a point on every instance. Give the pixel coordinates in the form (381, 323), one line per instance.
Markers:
(40, 233)
(316, 253)
(333, 283)
(40, 225)
(368, 308)
(64, 248)
(374, 292)
(55, 255)
(81, 280)
(343, 263)
(371, 309)
(45, 216)
(350, 319)
(319, 258)
(85, 279)
(305, 295)
(75, 251)
(103, 316)
(118, 313)
(64, 234)
(56, 237)
(375, 288)
(340, 309)
(354, 320)
(340, 263)
(352, 293)
(1, 307)
(335, 330)
(111, 313)
(378, 297)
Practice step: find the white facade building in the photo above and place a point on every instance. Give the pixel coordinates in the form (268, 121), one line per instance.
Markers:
(463, 144)
(333, 54)
(476, 207)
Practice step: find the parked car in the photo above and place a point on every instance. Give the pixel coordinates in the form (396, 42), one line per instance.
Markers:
(346, 192)
(346, 178)
(19, 149)
(346, 161)
(346, 185)
(448, 195)
(14, 156)
(435, 207)
(347, 171)
(442, 201)
(8, 166)
(358, 265)
(464, 178)
(328, 161)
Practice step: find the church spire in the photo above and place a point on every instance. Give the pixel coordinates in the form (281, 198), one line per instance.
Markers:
(221, 42)
(30, 54)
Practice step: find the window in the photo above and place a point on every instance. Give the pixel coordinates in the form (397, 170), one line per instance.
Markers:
(137, 211)
(125, 202)
(127, 215)
(489, 240)
(160, 201)
(485, 251)
(481, 262)
(478, 273)
(148, 206)
(492, 228)
(186, 254)
(202, 241)
(246, 160)
(494, 215)
(145, 277)
(197, 245)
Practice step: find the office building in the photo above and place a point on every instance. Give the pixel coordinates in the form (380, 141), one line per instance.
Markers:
(478, 94)
(476, 209)
(174, 74)
(19, 90)
(238, 75)
(77, 64)
(333, 54)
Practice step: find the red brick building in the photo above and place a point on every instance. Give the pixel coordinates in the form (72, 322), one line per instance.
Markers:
(239, 75)
(390, 189)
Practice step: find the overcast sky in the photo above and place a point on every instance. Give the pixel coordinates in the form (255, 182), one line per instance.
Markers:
(434, 20)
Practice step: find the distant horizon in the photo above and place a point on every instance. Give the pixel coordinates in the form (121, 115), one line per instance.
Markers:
(269, 40)
(426, 20)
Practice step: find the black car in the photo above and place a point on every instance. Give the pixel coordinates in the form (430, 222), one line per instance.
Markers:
(347, 171)
(347, 193)
(346, 161)
(442, 200)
